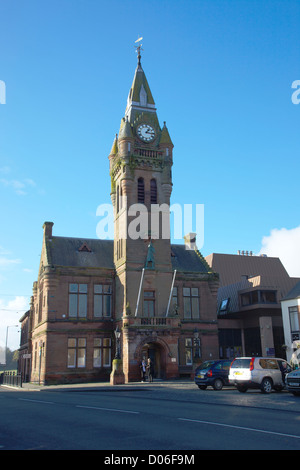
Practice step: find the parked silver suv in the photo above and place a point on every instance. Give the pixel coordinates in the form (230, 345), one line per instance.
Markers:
(265, 373)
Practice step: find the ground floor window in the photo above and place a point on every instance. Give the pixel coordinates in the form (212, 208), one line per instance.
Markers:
(188, 351)
(102, 352)
(76, 352)
(230, 342)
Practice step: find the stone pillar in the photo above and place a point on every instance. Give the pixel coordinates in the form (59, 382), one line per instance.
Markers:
(266, 336)
(117, 375)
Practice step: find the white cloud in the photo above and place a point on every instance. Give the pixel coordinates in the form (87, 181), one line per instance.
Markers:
(284, 244)
(5, 260)
(20, 187)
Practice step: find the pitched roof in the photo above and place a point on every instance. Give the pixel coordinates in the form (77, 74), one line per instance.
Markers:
(294, 293)
(232, 268)
(140, 81)
(66, 251)
(96, 253)
(188, 260)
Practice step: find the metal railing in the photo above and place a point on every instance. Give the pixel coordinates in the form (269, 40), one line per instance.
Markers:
(12, 378)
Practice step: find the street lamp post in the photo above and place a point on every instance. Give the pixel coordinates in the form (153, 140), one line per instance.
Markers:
(118, 346)
(117, 375)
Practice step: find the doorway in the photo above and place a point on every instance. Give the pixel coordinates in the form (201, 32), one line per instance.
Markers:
(155, 352)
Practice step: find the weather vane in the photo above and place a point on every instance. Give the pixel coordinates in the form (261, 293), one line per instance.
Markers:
(138, 48)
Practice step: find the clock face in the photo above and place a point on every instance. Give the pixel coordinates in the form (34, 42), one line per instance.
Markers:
(146, 132)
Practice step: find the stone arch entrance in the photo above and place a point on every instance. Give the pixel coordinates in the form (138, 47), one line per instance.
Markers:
(157, 354)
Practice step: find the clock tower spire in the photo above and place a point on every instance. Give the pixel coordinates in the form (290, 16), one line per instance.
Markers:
(140, 169)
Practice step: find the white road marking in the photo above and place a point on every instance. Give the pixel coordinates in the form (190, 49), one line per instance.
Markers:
(37, 401)
(108, 409)
(240, 427)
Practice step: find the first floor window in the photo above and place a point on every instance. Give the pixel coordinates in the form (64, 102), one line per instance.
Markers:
(149, 303)
(76, 352)
(191, 302)
(294, 318)
(175, 299)
(77, 300)
(102, 300)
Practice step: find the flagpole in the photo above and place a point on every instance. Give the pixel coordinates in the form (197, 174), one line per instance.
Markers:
(171, 291)
(139, 294)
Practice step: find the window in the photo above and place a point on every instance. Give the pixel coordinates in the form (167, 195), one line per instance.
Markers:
(153, 192)
(141, 191)
(121, 197)
(188, 351)
(102, 300)
(97, 352)
(175, 300)
(77, 300)
(76, 352)
(224, 306)
(191, 302)
(268, 364)
(40, 306)
(106, 352)
(118, 199)
(294, 318)
(258, 296)
(81, 352)
(268, 297)
(149, 303)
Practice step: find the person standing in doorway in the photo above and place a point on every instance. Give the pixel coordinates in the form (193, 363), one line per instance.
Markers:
(150, 370)
(143, 370)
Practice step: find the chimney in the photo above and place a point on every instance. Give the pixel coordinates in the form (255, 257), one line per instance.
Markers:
(48, 229)
(190, 241)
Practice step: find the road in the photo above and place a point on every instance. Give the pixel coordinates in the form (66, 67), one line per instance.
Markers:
(148, 418)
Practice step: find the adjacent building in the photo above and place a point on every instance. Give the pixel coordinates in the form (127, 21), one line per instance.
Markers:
(251, 289)
(290, 305)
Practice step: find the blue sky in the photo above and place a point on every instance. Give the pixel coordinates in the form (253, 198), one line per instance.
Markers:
(220, 73)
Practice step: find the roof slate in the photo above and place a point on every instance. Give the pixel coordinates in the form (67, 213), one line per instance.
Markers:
(64, 251)
(294, 293)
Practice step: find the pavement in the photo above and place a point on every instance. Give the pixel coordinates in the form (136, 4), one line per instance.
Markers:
(161, 384)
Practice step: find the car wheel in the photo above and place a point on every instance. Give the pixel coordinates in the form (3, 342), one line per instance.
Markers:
(242, 388)
(218, 384)
(266, 385)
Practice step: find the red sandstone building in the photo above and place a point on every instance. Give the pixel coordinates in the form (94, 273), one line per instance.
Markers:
(162, 297)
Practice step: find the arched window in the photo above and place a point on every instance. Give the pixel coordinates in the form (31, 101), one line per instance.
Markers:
(141, 191)
(153, 191)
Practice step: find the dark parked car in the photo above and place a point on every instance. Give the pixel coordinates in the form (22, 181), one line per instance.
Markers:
(214, 373)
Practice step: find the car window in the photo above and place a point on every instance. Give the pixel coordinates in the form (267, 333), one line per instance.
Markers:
(206, 365)
(226, 365)
(218, 366)
(268, 363)
(241, 364)
(284, 366)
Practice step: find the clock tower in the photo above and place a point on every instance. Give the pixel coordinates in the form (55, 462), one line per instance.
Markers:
(141, 184)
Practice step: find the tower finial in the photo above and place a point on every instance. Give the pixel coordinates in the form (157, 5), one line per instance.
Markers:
(139, 49)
